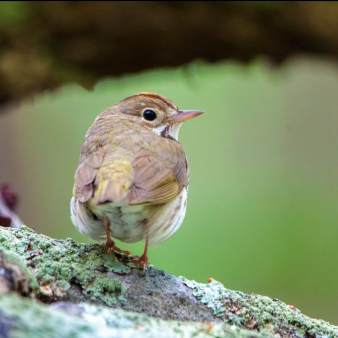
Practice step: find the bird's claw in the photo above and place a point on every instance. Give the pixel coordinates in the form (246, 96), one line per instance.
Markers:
(142, 262)
(111, 248)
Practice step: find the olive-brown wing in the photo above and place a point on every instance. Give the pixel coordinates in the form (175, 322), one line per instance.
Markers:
(157, 180)
(85, 175)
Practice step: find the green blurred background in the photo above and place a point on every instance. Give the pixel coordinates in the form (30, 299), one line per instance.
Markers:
(262, 211)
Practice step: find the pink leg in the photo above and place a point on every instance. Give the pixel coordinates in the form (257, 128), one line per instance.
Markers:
(143, 260)
(110, 243)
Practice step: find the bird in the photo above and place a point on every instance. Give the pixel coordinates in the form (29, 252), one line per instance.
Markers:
(133, 175)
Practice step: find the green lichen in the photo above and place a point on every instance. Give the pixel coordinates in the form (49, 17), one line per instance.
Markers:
(56, 264)
(211, 294)
(106, 289)
(267, 314)
(111, 264)
(259, 312)
(29, 319)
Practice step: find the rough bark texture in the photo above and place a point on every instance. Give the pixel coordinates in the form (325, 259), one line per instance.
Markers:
(46, 44)
(86, 293)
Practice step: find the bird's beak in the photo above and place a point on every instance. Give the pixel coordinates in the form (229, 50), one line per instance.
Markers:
(185, 115)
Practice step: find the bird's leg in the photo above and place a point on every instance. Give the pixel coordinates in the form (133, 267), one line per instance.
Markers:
(110, 243)
(143, 260)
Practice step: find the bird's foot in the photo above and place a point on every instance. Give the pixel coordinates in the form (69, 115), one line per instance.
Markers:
(142, 261)
(113, 248)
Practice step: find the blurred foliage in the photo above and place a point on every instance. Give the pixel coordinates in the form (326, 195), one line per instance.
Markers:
(13, 13)
(46, 44)
(262, 208)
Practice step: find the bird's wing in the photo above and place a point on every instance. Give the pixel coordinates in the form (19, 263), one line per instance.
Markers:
(85, 176)
(157, 180)
(147, 179)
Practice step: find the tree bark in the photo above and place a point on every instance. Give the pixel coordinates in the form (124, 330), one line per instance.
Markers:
(86, 292)
(46, 44)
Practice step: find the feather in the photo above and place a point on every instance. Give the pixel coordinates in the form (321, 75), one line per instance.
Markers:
(85, 175)
(154, 180)
(111, 190)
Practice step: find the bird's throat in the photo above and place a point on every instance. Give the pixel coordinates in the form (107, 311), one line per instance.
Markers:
(169, 131)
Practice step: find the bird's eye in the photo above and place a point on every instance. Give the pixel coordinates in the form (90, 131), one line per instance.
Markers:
(149, 115)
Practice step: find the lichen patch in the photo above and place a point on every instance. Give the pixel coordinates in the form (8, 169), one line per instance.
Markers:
(58, 264)
(259, 313)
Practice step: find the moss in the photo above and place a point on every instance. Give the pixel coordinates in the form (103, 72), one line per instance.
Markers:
(259, 312)
(57, 264)
(112, 264)
(106, 289)
(28, 319)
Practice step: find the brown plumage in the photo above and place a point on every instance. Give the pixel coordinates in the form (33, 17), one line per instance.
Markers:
(133, 174)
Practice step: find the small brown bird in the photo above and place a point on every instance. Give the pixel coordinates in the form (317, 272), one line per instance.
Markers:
(133, 175)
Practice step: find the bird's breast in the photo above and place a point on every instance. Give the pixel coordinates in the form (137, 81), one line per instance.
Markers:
(127, 222)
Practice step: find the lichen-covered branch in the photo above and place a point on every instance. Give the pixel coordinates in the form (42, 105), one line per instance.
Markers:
(70, 271)
(64, 273)
(22, 318)
(45, 44)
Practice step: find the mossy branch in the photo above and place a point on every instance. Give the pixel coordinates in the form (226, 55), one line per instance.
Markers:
(86, 293)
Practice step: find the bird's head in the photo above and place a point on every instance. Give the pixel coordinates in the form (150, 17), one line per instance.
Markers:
(156, 112)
